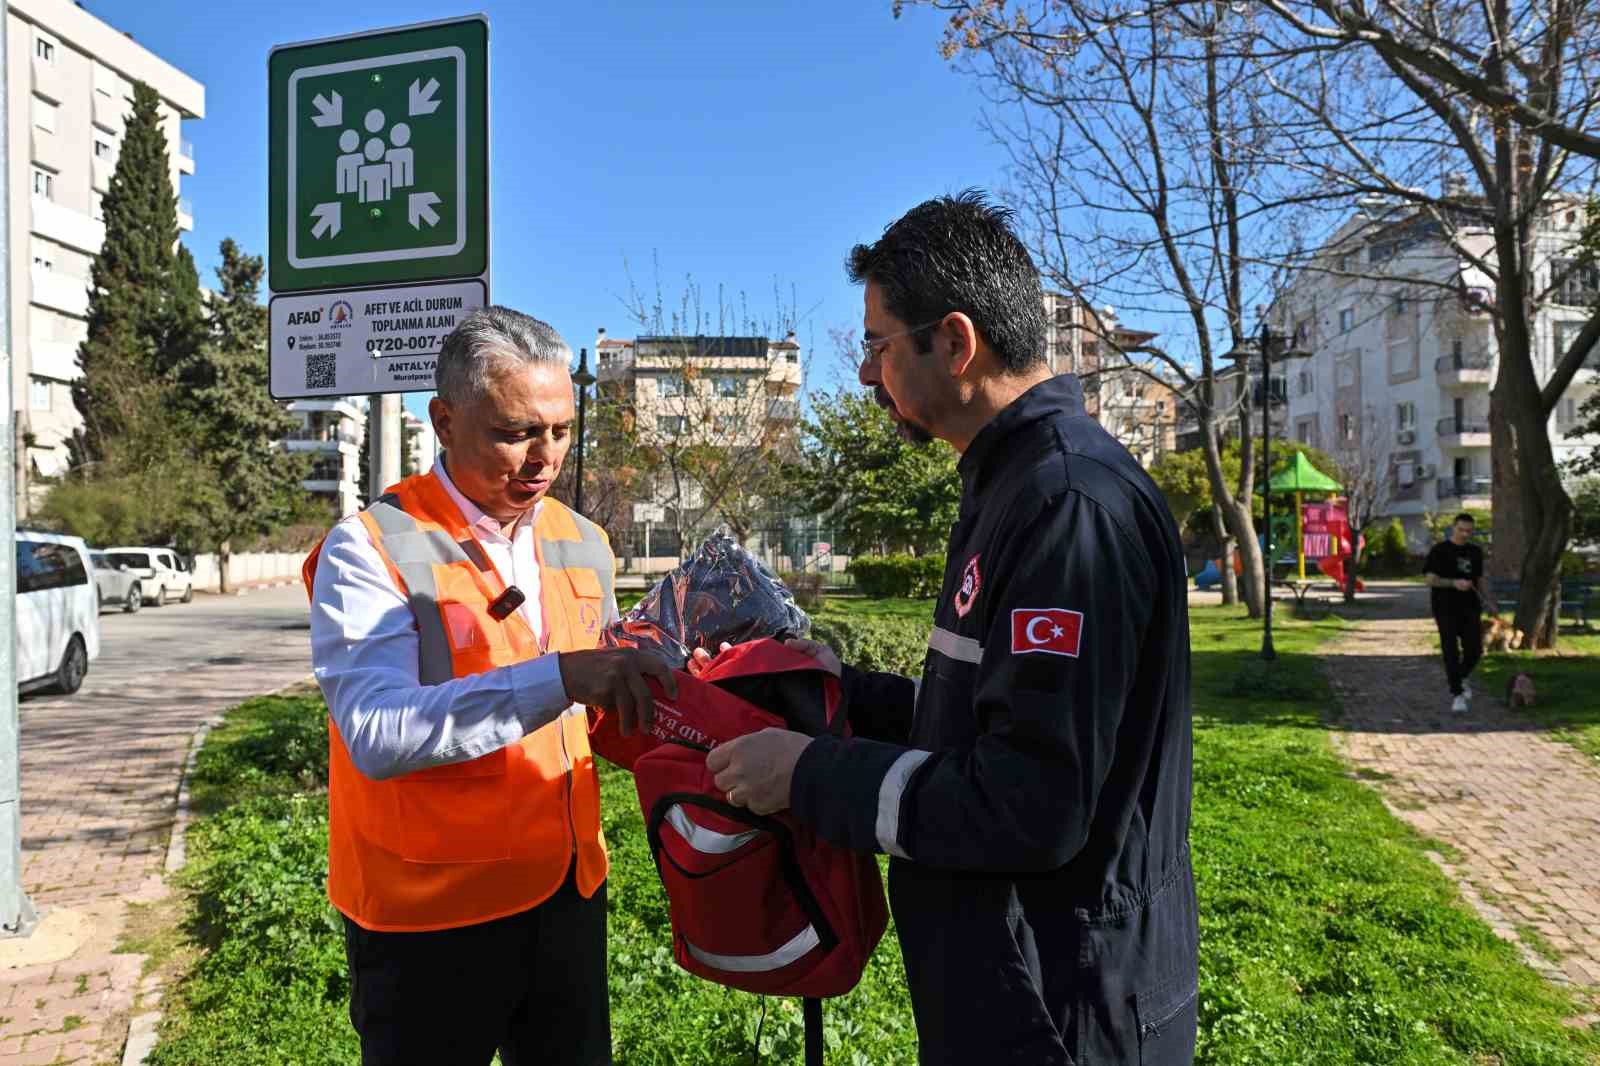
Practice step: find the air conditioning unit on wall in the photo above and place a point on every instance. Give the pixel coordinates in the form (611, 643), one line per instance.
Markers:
(1424, 471)
(1406, 436)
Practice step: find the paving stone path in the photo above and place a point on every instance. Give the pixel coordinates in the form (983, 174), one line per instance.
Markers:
(100, 774)
(1519, 811)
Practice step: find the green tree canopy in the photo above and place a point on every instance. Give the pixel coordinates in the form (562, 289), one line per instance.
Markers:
(1181, 476)
(882, 492)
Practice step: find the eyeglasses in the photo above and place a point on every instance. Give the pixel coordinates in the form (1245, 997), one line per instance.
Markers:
(870, 345)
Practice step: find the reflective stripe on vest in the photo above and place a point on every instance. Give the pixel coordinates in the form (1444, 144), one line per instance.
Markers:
(471, 841)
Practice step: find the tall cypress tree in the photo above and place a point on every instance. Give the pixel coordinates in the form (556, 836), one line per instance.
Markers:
(131, 300)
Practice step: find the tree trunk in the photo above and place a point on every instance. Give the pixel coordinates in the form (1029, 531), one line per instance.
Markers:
(1532, 511)
(1230, 580)
(224, 553)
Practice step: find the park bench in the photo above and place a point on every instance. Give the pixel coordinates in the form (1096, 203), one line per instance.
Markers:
(1505, 593)
(1580, 600)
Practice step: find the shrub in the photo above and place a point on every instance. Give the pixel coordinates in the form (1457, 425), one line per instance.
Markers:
(807, 588)
(1387, 554)
(895, 645)
(890, 576)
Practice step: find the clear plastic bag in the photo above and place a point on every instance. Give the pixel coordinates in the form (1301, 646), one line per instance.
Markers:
(720, 594)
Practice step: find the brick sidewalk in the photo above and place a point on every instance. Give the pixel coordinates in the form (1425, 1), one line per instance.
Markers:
(1521, 812)
(100, 777)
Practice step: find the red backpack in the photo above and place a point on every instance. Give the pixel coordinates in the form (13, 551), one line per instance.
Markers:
(757, 903)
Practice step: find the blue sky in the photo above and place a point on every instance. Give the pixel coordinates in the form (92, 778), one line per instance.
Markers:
(739, 143)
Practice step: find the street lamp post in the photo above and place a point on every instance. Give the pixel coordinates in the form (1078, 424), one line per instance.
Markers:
(583, 379)
(1264, 344)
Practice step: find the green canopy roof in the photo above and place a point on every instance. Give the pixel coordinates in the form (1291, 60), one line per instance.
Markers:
(1303, 477)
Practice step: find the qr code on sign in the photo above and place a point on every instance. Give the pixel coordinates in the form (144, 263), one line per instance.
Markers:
(322, 371)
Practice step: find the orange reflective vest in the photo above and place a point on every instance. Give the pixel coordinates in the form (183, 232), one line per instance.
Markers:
(471, 841)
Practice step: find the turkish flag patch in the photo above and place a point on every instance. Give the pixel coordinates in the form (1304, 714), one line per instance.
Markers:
(1052, 630)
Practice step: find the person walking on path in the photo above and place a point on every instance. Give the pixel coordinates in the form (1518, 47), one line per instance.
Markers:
(1033, 787)
(1454, 571)
(454, 625)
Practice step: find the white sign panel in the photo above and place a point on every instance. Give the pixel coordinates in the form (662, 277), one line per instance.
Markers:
(649, 512)
(362, 341)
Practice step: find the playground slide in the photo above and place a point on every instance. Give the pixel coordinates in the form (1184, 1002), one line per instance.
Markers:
(1333, 566)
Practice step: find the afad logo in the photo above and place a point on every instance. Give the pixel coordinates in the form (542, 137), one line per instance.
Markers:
(340, 315)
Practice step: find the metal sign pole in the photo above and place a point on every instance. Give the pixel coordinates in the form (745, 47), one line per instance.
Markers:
(16, 910)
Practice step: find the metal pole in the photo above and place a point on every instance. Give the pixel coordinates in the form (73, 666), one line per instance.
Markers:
(583, 379)
(1268, 652)
(16, 910)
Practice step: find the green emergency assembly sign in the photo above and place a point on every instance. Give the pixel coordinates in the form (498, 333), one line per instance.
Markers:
(379, 149)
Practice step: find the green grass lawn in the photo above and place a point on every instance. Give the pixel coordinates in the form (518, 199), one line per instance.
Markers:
(1568, 684)
(1327, 935)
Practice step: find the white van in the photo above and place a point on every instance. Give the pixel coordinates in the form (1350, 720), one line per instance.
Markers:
(58, 618)
(163, 575)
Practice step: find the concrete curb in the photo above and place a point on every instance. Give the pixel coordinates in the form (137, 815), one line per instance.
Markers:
(143, 1029)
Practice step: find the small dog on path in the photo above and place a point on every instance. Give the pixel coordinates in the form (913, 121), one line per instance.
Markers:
(1500, 635)
(1519, 692)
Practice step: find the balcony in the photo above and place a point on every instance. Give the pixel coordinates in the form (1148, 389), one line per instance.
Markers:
(54, 359)
(321, 440)
(1465, 370)
(783, 411)
(185, 157)
(66, 226)
(48, 81)
(1464, 432)
(100, 170)
(108, 111)
(46, 148)
(1473, 491)
(60, 292)
(185, 214)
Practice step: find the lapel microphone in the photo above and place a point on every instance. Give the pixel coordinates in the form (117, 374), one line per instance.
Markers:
(507, 602)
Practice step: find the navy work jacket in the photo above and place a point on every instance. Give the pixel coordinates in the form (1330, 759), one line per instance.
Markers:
(1033, 786)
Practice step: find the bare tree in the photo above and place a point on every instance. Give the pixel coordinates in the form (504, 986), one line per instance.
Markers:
(1364, 466)
(1473, 119)
(1136, 140)
(711, 415)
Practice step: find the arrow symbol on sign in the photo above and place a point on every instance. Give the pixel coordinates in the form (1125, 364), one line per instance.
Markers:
(420, 208)
(329, 113)
(422, 101)
(327, 216)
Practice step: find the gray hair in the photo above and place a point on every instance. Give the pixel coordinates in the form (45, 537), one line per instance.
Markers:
(488, 341)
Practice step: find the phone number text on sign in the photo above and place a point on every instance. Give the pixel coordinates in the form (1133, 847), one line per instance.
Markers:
(365, 341)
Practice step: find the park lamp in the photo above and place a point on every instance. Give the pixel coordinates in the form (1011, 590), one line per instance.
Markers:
(583, 379)
(1242, 355)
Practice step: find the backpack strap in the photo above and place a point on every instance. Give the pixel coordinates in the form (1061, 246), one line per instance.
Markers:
(812, 1009)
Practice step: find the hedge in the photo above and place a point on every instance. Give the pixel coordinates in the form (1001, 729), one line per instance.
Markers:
(896, 645)
(890, 576)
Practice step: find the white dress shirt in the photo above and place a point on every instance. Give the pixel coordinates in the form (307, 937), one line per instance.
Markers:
(365, 653)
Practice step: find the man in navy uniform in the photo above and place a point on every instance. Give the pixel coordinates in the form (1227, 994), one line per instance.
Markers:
(1033, 786)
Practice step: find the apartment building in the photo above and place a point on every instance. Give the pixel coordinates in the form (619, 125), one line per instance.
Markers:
(1139, 407)
(331, 430)
(1404, 353)
(420, 444)
(69, 83)
(724, 392)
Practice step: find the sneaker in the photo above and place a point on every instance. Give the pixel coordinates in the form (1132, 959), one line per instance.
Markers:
(1460, 705)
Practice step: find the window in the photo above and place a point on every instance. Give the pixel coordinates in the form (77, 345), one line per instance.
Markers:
(670, 384)
(726, 386)
(723, 425)
(1347, 320)
(1565, 335)
(44, 565)
(44, 184)
(44, 49)
(1399, 303)
(97, 207)
(1347, 372)
(670, 425)
(103, 148)
(1305, 383)
(44, 114)
(1302, 332)
(1405, 416)
(1161, 407)
(1347, 428)
(1345, 263)
(1579, 286)
(38, 394)
(1567, 412)
(41, 263)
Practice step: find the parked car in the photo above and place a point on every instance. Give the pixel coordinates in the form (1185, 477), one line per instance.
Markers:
(117, 582)
(163, 575)
(58, 616)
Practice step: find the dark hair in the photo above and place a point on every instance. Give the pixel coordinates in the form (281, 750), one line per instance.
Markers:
(958, 253)
(1468, 519)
